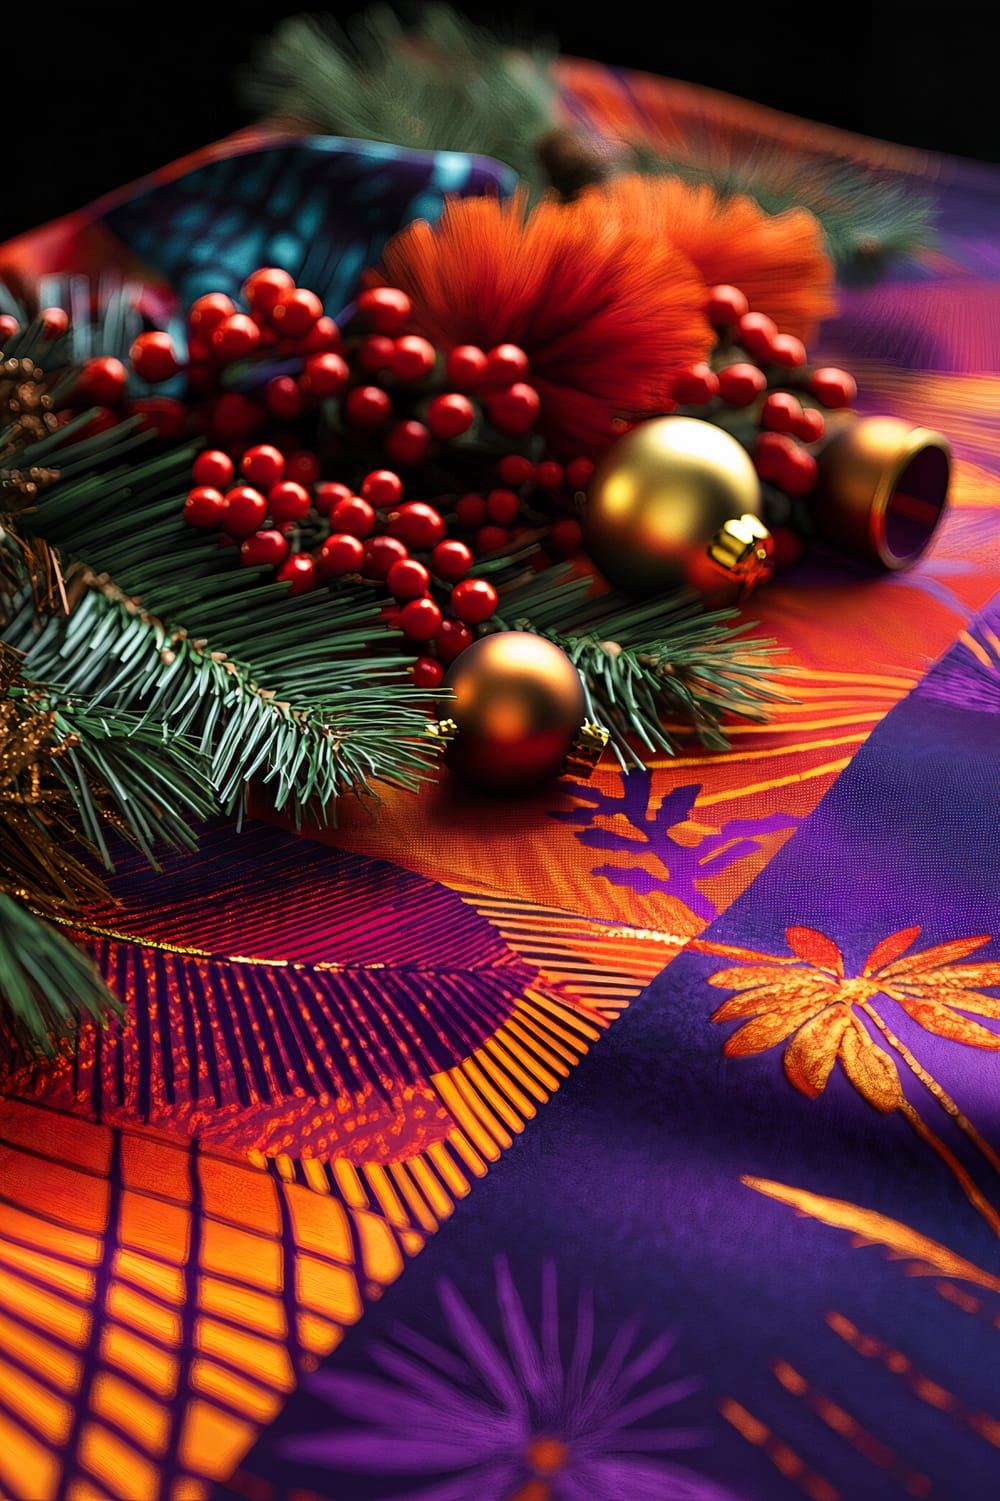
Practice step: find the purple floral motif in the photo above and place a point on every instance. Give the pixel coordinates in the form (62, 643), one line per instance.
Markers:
(543, 1415)
(683, 864)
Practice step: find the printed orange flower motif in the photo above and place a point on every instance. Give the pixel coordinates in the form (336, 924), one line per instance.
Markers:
(807, 1002)
(815, 1005)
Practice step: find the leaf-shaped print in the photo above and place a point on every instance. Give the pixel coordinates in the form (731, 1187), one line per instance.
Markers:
(890, 948)
(870, 1069)
(810, 944)
(957, 976)
(772, 998)
(765, 1031)
(743, 977)
(935, 1017)
(939, 954)
(813, 1050)
(961, 1000)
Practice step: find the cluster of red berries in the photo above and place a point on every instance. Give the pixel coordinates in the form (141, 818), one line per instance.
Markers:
(756, 369)
(281, 513)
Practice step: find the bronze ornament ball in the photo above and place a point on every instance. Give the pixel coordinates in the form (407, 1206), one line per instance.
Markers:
(517, 706)
(657, 499)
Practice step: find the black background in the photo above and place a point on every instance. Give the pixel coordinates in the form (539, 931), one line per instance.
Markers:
(96, 96)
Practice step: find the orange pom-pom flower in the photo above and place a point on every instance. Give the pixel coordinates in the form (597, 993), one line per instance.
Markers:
(607, 310)
(779, 261)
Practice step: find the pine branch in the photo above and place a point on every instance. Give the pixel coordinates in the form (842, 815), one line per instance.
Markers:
(441, 83)
(869, 220)
(641, 660)
(47, 986)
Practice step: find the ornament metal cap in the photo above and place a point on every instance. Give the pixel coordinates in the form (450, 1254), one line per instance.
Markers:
(745, 548)
(881, 489)
(586, 750)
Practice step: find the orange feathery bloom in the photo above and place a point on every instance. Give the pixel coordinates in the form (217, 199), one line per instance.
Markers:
(779, 261)
(607, 311)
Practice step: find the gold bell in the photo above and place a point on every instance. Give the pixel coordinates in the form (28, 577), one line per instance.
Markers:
(881, 489)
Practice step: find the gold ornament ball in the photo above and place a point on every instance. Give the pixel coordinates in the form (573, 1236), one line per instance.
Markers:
(658, 498)
(518, 704)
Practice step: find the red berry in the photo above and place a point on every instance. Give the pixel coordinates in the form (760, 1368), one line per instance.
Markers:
(325, 375)
(375, 354)
(426, 672)
(833, 387)
(412, 357)
(417, 524)
(565, 538)
(289, 501)
(153, 357)
(299, 573)
(514, 469)
(505, 364)
(269, 546)
(234, 337)
(367, 407)
(408, 579)
(741, 384)
(549, 475)
(302, 466)
(165, 416)
(284, 399)
(451, 640)
(503, 507)
(798, 474)
(726, 305)
(769, 453)
(213, 467)
(102, 381)
(380, 554)
(340, 553)
(263, 287)
(382, 488)
(408, 443)
(388, 309)
(295, 312)
(578, 473)
(323, 337)
(207, 311)
(450, 414)
(451, 561)
(489, 538)
(473, 601)
(262, 466)
(420, 619)
(756, 331)
(354, 515)
(246, 511)
(204, 506)
(781, 411)
(54, 321)
(465, 366)
(515, 410)
(234, 417)
(328, 493)
(696, 385)
(787, 350)
(810, 426)
(470, 510)
(8, 326)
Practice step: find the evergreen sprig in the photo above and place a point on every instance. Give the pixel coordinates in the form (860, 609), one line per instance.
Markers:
(640, 660)
(437, 82)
